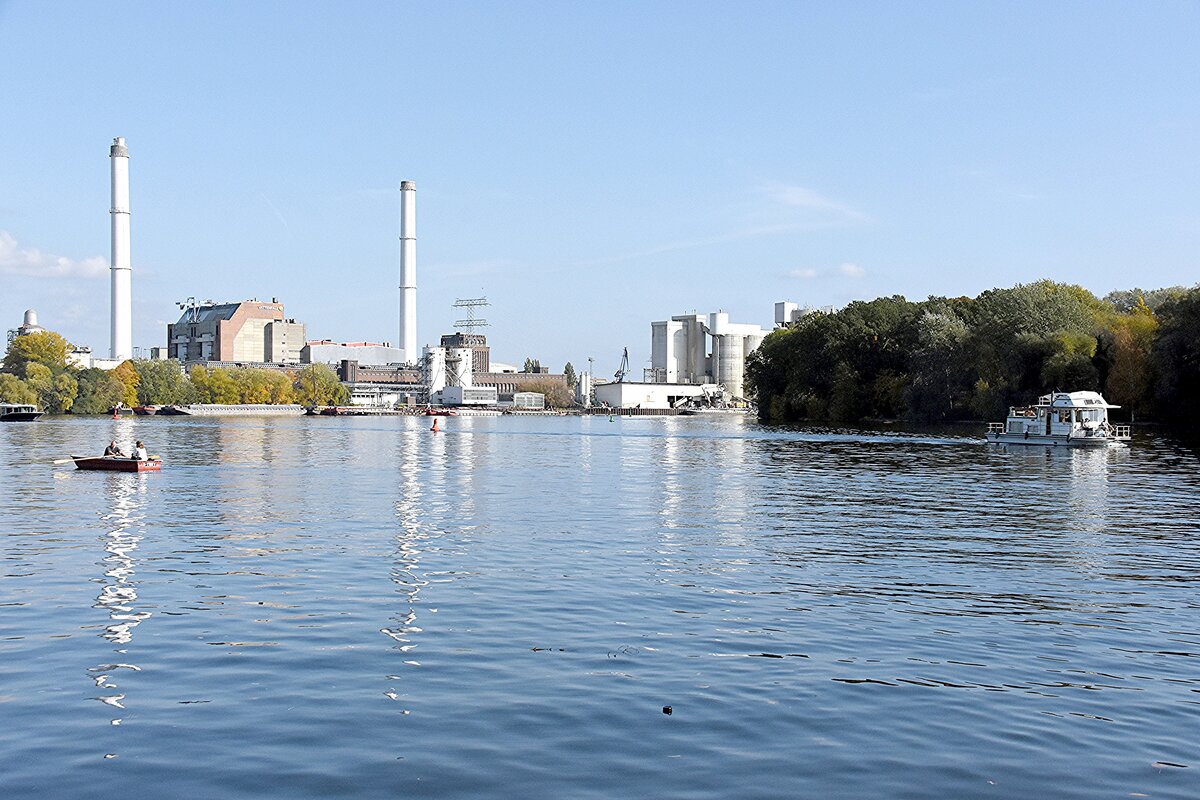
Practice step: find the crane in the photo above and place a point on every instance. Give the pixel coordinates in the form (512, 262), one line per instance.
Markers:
(622, 370)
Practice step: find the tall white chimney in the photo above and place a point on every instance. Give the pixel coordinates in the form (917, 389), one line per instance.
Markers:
(408, 270)
(121, 342)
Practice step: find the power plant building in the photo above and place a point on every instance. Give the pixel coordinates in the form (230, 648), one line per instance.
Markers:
(247, 332)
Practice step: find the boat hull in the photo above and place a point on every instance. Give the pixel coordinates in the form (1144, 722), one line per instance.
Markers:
(145, 411)
(20, 416)
(1053, 441)
(113, 464)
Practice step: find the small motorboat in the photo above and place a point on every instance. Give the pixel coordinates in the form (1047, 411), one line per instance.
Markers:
(18, 412)
(118, 463)
(146, 411)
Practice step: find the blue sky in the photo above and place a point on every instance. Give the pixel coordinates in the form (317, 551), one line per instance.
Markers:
(591, 167)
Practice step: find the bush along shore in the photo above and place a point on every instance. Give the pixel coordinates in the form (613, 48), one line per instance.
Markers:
(967, 358)
(36, 370)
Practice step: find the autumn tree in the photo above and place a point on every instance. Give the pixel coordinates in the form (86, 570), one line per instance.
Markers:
(557, 395)
(43, 347)
(318, 385)
(127, 374)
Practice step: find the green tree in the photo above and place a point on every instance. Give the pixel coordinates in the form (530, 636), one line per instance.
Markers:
(162, 382)
(569, 374)
(56, 393)
(44, 347)
(318, 385)
(1130, 380)
(1126, 301)
(938, 365)
(99, 391)
(1175, 356)
(15, 390)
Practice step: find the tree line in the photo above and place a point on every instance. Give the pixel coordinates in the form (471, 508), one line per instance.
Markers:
(36, 370)
(972, 358)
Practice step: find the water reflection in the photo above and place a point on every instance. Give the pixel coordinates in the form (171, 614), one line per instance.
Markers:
(410, 542)
(118, 596)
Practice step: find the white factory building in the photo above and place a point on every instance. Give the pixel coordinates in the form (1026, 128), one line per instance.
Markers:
(326, 351)
(695, 360)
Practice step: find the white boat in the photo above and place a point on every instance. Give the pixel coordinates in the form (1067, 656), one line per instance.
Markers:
(1071, 419)
(18, 412)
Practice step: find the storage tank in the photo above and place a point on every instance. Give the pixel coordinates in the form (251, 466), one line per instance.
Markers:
(730, 359)
(434, 364)
(459, 366)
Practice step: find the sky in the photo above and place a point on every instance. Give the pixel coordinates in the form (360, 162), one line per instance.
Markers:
(590, 167)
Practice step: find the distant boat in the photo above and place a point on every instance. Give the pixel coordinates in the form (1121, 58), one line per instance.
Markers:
(1071, 419)
(18, 412)
(117, 463)
(146, 411)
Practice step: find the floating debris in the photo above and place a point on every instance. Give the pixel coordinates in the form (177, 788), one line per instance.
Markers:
(668, 710)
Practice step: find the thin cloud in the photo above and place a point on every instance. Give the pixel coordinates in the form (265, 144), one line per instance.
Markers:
(777, 217)
(814, 202)
(31, 262)
(804, 274)
(851, 270)
(278, 214)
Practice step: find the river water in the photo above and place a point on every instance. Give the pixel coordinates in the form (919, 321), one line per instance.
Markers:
(357, 607)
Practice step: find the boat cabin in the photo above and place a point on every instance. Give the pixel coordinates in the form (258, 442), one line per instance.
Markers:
(1067, 417)
(18, 412)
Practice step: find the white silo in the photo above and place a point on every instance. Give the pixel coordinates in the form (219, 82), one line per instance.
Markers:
(408, 269)
(121, 340)
(434, 369)
(459, 366)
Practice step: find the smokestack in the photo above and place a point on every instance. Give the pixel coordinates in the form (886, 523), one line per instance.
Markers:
(121, 342)
(408, 270)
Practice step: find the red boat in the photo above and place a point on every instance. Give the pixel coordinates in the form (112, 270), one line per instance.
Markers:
(117, 463)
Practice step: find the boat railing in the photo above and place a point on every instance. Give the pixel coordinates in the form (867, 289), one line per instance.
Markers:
(995, 427)
(1122, 432)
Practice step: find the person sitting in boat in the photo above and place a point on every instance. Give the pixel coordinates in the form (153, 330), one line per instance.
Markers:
(139, 452)
(113, 450)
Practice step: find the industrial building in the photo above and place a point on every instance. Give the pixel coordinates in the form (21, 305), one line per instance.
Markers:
(699, 349)
(481, 354)
(326, 351)
(643, 394)
(787, 314)
(249, 332)
(29, 324)
(695, 359)
(529, 401)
